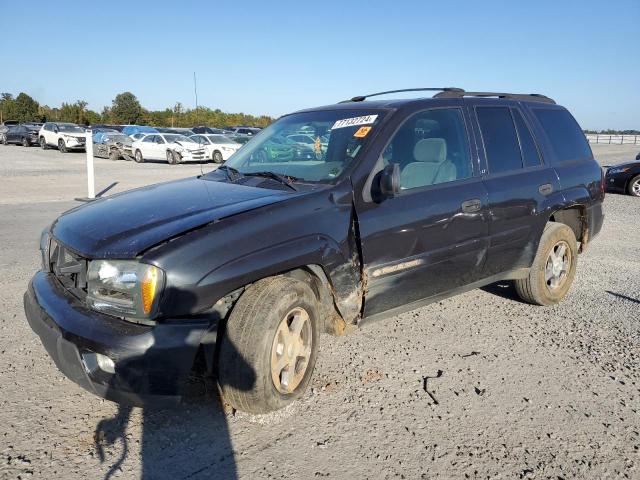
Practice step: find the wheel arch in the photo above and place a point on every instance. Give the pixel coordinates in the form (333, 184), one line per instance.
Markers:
(575, 217)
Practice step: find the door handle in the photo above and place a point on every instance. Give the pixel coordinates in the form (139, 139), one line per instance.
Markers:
(545, 189)
(471, 206)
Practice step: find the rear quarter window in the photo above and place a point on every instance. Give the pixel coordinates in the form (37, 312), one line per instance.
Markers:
(564, 133)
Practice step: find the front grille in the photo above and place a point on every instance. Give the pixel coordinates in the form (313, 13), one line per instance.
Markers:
(69, 268)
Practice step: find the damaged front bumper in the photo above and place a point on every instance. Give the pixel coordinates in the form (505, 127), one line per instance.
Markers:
(138, 364)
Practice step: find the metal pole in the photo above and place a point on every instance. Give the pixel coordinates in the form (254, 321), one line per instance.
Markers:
(91, 189)
(195, 91)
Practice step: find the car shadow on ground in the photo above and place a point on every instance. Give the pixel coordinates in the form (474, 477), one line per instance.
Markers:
(504, 289)
(189, 440)
(623, 297)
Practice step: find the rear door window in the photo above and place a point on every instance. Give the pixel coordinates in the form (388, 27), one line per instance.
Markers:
(565, 135)
(500, 139)
(530, 155)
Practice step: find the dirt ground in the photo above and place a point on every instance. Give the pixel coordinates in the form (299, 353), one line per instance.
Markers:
(476, 386)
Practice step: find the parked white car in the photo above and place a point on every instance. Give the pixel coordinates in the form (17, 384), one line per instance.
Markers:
(63, 136)
(217, 147)
(170, 146)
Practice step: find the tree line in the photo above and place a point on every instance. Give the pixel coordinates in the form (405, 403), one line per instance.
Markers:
(125, 109)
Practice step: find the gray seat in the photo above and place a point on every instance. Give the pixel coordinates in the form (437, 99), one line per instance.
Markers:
(430, 166)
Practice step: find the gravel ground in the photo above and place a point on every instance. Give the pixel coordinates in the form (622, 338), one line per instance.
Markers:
(476, 386)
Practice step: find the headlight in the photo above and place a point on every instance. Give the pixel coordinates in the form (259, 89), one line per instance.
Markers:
(125, 288)
(45, 242)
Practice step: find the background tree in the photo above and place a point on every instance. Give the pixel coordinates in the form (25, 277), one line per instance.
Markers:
(25, 108)
(126, 109)
(6, 106)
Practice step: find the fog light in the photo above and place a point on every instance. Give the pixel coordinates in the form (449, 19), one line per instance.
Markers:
(95, 361)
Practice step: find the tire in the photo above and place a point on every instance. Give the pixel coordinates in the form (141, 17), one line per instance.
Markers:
(25, 142)
(217, 157)
(633, 188)
(173, 157)
(62, 146)
(2, 139)
(537, 288)
(253, 337)
(138, 157)
(114, 155)
(43, 143)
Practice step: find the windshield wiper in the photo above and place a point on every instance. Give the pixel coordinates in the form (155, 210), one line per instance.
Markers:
(285, 180)
(232, 173)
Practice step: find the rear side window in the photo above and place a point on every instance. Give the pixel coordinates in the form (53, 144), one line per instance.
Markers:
(530, 155)
(500, 140)
(567, 140)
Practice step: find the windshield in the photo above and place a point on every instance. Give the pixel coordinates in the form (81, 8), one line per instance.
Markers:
(70, 128)
(174, 137)
(221, 139)
(275, 150)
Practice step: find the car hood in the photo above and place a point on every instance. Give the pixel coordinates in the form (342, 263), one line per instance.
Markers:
(188, 145)
(126, 224)
(633, 163)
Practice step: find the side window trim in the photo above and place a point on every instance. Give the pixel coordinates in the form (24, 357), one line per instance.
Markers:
(542, 163)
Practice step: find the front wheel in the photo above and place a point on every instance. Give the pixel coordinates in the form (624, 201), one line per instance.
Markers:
(62, 146)
(113, 154)
(634, 186)
(25, 142)
(270, 346)
(43, 143)
(217, 157)
(138, 157)
(173, 157)
(553, 269)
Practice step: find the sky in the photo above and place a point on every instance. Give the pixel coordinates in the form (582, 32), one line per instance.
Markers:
(274, 57)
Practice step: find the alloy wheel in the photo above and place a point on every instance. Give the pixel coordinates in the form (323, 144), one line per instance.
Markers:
(557, 265)
(291, 350)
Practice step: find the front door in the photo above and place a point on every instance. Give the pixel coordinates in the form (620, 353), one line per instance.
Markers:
(432, 237)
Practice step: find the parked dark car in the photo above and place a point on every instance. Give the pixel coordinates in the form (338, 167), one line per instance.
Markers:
(210, 131)
(235, 273)
(105, 127)
(24, 135)
(187, 132)
(624, 178)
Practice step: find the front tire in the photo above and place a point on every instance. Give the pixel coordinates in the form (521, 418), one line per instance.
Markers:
(633, 188)
(138, 157)
(114, 155)
(553, 269)
(62, 146)
(25, 142)
(173, 157)
(43, 143)
(217, 157)
(270, 346)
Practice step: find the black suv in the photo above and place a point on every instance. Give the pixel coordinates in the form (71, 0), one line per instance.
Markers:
(405, 202)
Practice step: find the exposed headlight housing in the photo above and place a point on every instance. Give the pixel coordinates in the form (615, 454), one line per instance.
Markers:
(124, 288)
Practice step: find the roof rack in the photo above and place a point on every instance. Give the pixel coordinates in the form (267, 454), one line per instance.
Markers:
(362, 98)
(532, 97)
(453, 92)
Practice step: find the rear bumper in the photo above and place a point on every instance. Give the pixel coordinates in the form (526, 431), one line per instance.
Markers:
(595, 219)
(152, 363)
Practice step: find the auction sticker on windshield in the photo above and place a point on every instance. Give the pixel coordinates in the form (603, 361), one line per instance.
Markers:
(350, 122)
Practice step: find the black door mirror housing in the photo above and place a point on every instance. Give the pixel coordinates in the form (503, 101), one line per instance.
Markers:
(390, 180)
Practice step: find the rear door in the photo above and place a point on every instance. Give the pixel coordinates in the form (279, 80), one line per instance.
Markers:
(432, 237)
(519, 183)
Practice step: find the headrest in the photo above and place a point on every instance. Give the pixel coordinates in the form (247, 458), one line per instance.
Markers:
(432, 150)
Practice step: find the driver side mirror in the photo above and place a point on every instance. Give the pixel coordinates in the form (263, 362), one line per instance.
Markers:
(390, 180)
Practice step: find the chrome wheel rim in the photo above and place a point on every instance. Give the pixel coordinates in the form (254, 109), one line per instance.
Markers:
(291, 350)
(635, 188)
(557, 266)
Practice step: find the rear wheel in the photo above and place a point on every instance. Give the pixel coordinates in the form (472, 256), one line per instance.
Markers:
(138, 157)
(553, 269)
(634, 186)
(62, 146)
(270, 346)
(217, 157)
